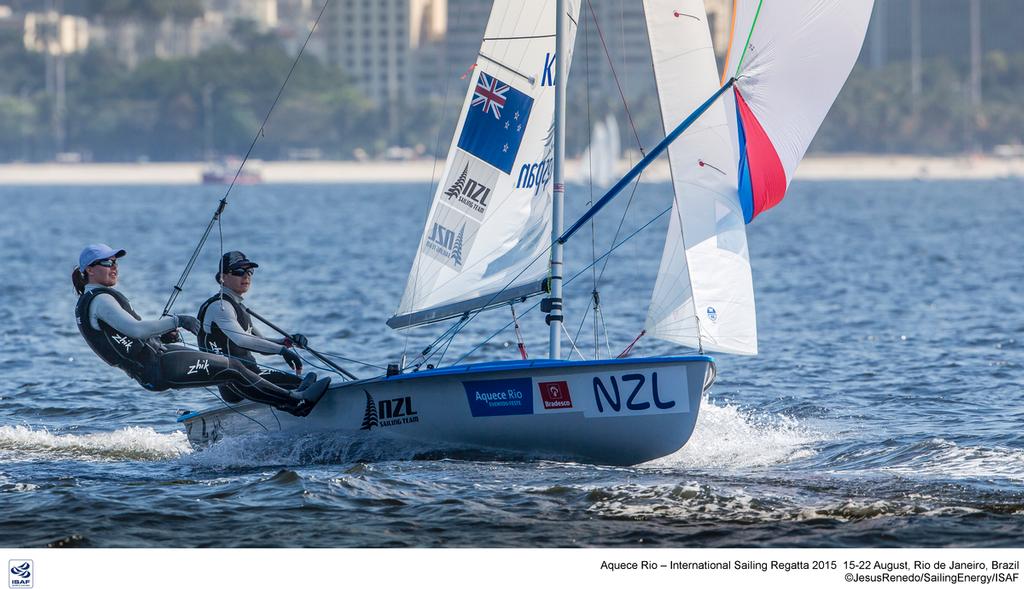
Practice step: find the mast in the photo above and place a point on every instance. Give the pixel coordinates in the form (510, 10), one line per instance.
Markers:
(554, 306)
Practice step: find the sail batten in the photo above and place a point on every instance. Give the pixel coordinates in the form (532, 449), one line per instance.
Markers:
(489, 225)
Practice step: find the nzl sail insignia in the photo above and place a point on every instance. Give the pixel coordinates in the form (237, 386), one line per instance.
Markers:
(469, 186)
(495, 122)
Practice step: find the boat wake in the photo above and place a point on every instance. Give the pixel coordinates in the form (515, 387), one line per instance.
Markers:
(21, 443)
(289, 449)
(730, 438)
(937, 458)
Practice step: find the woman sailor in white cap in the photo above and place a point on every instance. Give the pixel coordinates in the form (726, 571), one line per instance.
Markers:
(122, 338)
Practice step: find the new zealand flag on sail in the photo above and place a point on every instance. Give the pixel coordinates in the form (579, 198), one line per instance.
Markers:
(496, 122)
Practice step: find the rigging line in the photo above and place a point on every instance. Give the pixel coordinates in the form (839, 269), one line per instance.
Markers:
(590, 163)
(615, 76)
(319, 366)
(430, 350)
(192, 260)
(518, 37)
(224, 201)
(249, 417)
(433, 173)
(604, 328)
(750, 34)
(574, 348)
(445, 350)
(632, 195)
(519, 334)
(732, 33)
(568, 281)
(353, 360)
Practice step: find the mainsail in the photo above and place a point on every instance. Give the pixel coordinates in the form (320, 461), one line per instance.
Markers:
(790, 60)
(489, 226)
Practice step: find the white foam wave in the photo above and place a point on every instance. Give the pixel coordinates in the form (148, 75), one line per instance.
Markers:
(947, 459)
(130, 443)
(727, 437)
(283, 448)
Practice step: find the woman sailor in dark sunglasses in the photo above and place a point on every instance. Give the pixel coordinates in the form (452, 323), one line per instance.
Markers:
(226, 327)
(118, 335)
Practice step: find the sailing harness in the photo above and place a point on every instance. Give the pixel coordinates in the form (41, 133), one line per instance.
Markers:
(133, 355)
(216, 340)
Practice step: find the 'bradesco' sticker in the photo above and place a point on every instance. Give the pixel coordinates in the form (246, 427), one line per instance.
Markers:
(488, 398)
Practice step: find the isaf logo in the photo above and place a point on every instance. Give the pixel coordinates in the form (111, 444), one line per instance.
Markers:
(388, 412)
(19, 573)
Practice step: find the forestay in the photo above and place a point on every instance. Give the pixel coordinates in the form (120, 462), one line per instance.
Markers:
(489, 226)
(704, 295)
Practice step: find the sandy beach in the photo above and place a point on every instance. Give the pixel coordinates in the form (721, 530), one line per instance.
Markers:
(839, 167)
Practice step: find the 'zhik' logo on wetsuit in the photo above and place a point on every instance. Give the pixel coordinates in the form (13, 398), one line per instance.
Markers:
(124, 341)
(203, 365)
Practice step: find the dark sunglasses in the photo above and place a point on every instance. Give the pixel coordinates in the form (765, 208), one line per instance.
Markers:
(243, 272)
(105, 263)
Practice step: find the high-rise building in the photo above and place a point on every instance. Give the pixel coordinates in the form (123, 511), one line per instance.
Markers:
(375, 41)
(378, 42)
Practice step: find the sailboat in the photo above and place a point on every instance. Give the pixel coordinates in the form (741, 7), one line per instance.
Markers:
(494, 233)
(600, 160)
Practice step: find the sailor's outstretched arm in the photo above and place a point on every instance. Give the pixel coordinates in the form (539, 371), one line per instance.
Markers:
(259, 334)
(223, 314)
(105, 308)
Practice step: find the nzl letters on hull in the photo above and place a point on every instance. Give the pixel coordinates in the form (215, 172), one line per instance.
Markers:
(632, 391)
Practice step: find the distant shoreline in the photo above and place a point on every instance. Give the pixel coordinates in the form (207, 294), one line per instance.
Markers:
(837, 167)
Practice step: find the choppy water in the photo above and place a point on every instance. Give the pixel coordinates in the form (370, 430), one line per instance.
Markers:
(885, 408)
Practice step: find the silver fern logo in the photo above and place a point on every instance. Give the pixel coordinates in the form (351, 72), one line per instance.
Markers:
(469, 192)
(388, 412)
(456, 188)
(370, 416)
(447, 243)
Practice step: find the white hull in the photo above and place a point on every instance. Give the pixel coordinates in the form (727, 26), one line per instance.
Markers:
(603, 411)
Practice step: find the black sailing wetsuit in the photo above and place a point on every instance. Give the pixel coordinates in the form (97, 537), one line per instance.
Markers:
(226, 328)
(135, 347)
